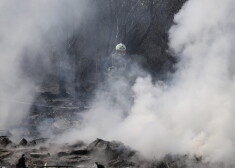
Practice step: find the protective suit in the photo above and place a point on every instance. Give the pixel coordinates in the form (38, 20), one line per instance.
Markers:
(116, 64)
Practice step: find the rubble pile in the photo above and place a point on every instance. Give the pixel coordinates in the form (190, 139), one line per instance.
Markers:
(41, 152)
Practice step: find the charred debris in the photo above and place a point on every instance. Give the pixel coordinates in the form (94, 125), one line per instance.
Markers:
(44, 153)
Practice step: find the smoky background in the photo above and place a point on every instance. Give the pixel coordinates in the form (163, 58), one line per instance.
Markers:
(179, 102)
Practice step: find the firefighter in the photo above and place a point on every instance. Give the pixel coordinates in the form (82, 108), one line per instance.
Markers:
(117, 64)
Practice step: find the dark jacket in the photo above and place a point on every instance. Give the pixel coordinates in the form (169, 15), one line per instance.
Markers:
(21, 163)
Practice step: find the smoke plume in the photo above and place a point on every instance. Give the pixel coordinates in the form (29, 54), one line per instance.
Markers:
(190, 114)
(30, 31)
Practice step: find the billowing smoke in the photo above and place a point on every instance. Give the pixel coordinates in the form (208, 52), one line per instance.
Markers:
(191, 114)
(30, 32)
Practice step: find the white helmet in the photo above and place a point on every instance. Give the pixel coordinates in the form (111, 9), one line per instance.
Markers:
(121, 48)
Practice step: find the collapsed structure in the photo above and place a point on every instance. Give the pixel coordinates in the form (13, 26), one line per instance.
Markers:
(40, 153)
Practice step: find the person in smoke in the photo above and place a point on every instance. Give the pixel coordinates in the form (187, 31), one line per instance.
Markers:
(117, 84)
(116, 64)
(21, 162)
(120, 67)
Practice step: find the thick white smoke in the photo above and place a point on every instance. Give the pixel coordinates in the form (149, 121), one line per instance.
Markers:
(194, 113)
(30, 31)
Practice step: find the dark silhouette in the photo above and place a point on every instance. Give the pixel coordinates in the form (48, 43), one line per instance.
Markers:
(21, 162)
(99, 165)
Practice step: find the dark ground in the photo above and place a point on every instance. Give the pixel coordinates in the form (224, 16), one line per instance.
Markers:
(113, 154)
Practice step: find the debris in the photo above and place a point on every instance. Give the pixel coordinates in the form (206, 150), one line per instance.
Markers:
(79, 152)
(121, 163)
(62, 154)
(23, 142)
(37, 141)
(98, 145)
(39, 155)
(112, 149)
(4, 141)
(113, 154)
(78, 144)
(4, 154)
